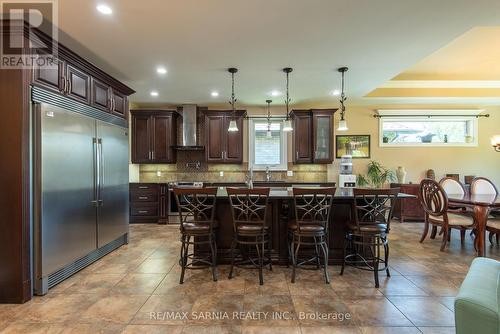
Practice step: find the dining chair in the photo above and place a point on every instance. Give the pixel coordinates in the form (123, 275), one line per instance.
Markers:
(249, 212)
(434, 201)
(309, 229)
(197, 225)
(453, 187)
(373, 210)
(484, 186)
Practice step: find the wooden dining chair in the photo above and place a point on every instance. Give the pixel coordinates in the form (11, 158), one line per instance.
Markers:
(434, 201)
(452, 186)
(484, 186)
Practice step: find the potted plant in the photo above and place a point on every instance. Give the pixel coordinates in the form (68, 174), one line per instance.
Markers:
(376, 176)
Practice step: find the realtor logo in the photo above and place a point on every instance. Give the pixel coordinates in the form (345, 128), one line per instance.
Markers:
(24, 48)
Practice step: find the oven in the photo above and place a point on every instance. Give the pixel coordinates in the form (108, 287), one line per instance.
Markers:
(173, 209)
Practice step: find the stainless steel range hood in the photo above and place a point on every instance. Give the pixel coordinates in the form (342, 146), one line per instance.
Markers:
(190, 140)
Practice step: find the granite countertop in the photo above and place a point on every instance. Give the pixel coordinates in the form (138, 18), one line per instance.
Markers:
(286, 192)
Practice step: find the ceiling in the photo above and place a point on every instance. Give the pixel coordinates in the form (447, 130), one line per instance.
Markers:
(467, 70)
(197, 40)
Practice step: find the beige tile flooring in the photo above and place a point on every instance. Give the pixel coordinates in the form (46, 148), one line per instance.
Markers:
(133, 289)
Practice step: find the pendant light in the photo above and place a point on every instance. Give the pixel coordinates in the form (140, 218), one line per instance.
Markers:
(233, 127)
(342, 122)
(269, 134)
(287, 123)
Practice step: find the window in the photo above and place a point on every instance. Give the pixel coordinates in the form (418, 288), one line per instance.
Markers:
(264, 150)
(428, 131)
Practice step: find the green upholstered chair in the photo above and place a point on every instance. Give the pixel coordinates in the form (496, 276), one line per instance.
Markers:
(477, 303)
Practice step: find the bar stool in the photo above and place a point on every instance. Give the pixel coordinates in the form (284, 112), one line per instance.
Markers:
(310, 227)
(249, 211)
(373, 210)
(197, 225)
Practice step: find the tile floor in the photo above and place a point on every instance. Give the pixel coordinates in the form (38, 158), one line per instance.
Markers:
(134, 289)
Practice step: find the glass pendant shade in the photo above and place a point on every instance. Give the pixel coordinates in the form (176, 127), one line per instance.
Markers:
(342, 125)
(287, 125)
(233, 127)
(269, 134)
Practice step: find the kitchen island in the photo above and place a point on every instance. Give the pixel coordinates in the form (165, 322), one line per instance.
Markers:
(279, 213)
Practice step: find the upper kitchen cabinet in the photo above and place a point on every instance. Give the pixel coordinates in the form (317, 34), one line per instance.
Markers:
(222, 146)
(78, 84)
(65, 79)
(77, 79)
(50, 78)
(154, 133)
(108, 99)
(313, 136)
(302, 136)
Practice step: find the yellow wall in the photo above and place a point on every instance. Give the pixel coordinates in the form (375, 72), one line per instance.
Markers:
(480, 161)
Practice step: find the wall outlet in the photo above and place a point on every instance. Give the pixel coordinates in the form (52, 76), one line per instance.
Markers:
(221, 174)
(289, 173)
(158, 173)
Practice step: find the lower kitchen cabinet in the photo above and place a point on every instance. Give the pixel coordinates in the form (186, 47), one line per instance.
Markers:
(149, 203)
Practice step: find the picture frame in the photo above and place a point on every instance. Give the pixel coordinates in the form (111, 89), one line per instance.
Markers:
(359, 146)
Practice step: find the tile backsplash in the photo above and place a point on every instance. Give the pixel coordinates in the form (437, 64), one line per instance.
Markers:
(191, 166)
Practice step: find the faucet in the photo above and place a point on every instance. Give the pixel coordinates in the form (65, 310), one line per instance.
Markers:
(249, 178)
(268, 174)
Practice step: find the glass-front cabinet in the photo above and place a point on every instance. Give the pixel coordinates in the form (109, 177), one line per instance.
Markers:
(313, 136)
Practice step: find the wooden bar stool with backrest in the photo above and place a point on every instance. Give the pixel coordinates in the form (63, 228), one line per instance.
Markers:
(434, 201)
(484, 186)
(310, 227)
(249, 211)
(373, 210)
(452, 187)
(197, 224)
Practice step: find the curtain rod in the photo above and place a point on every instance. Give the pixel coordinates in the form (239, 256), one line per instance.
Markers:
(430, 116)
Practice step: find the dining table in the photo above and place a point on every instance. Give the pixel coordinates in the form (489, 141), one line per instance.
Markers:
(481, 205)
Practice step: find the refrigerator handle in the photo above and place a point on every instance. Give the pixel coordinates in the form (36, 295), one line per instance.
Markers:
(101, 172)
(96, 171)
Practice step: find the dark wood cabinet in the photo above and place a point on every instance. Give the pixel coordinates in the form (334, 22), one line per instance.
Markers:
(78, 84)
(70, 81)
(50, 78)
(302, 137)
(100, 95)
(108, 99)
(322, 136)
(118, 104)
(214, 138)
(153, 135)
(222, 146)
(313, 136)
(163, 138)
(408, 208)
(149, 203)
(141, 138)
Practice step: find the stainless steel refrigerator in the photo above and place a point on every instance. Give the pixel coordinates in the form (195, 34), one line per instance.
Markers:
(81, 187)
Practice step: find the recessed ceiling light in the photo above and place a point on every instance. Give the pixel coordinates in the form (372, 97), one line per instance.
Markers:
(214, 93)
(104, 9)
(275, 93)
(161, 70)
(335, 92)
(154, 93)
